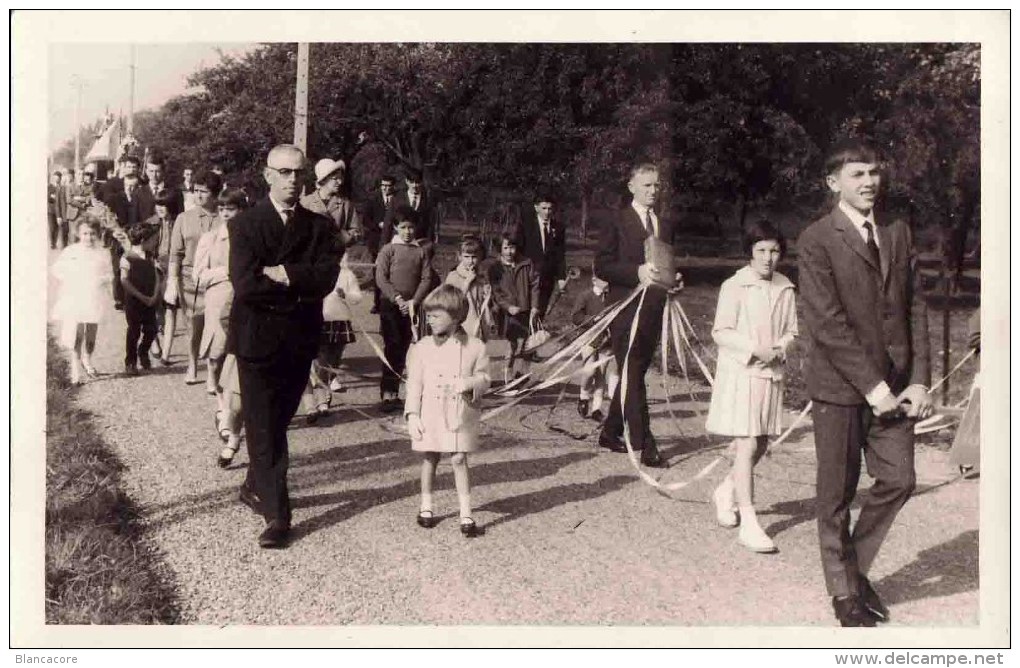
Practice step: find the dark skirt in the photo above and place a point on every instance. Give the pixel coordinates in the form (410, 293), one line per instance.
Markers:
(337, 331)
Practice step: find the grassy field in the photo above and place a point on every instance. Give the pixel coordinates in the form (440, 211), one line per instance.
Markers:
(98, 569)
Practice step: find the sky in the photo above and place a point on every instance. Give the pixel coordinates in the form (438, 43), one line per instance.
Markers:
(160, 74)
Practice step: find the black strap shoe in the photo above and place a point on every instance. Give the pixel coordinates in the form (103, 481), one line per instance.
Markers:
(851, 612)
(871, 601)
(651, 458)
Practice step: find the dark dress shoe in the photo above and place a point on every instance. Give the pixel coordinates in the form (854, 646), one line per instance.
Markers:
(651, 458)
(610, 442)
(850, 611)
(250, 499)
(596, 415)
(275, 536)
(582, 407)
(871, 601)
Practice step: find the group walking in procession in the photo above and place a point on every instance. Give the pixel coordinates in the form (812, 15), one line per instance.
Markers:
(265, 291)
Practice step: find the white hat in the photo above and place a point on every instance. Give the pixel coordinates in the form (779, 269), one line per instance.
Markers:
(327, 167)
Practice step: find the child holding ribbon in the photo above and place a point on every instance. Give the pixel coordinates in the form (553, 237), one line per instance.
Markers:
(755, 322)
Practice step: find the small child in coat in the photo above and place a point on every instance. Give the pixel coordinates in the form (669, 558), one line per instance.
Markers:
(755, 322)
(142, 285)
(465, 277)
(447, 374)
(337, 332)
(515, 289)
(596, 382)
(402, 273)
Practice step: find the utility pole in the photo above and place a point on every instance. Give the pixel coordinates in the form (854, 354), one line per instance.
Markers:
(77, 128)
(301, 99)
(131, 100)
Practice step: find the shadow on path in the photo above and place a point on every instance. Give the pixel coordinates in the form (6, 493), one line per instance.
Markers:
(943, 570)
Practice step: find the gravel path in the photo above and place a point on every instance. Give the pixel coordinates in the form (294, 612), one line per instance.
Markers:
(573, 537)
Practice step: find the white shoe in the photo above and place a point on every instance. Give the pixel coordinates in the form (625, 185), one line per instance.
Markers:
(725, 508)
(336, 386)
(754, 538)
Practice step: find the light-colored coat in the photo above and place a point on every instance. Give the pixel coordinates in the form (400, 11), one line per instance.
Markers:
(210, 273)
(434, 373)
(753, 313)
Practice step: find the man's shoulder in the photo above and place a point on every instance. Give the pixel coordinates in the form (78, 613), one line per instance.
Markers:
(819, 228)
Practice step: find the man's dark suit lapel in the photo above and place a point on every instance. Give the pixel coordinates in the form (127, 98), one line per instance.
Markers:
(638, 225)
(852, 238)
(885, 248)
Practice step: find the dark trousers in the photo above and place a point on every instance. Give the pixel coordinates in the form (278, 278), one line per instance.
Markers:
(57, 231)
(841, 434)
(546, 286)
(271, 390)
(396, 333)
(141, 332)
(646, 338)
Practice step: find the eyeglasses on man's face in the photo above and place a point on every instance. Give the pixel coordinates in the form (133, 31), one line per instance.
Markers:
(286, 172)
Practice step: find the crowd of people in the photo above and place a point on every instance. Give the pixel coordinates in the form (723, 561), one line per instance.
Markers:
(265, 290)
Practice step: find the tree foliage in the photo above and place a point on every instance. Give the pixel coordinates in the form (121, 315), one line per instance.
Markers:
(735, 127)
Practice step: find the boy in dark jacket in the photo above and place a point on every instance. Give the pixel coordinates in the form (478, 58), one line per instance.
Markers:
(142, 291)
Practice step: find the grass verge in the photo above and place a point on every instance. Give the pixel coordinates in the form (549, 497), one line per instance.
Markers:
(98, 570)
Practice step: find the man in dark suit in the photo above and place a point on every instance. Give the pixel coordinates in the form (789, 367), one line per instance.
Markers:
(155, 171)
(54, 202)
(376, 215)
(132, 202)
(283, 260)
(621, 262)
(419, 201)
(868, 364)
(542, 239)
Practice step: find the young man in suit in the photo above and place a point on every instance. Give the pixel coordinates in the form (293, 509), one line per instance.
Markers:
(868, 366)
(283, 260)
(621, 262)
(377, 213)
(155, 171)
(542, 239)
(421, 203)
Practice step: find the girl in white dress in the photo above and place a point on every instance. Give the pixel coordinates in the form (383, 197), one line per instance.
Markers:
(447, 374)
(84, 272)
(755, 322)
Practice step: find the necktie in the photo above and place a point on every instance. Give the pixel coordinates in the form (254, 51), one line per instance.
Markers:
(288, 215)
(545, 234)
(872, 245)
(649, 226)
(414, 203)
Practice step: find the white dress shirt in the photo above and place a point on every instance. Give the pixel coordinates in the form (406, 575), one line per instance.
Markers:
(858, 219)
(641, 209)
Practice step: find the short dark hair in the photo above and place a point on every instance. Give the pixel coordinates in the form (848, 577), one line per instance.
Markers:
(233, 197)
(849, 150)
(157, 160)
(404, 213)
(136, 234)
(56, 172)
(763, 230)
(161, 200)
(387, 177)
(209, 179)
(469, 243)
(642, 167)
(70, 170)
(413, 175)
(543, 196)
(509, 236)
(133, 159)
(450, 299)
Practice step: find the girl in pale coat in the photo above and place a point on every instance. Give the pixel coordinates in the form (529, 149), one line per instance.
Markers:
(755, 322)
(447, 374)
